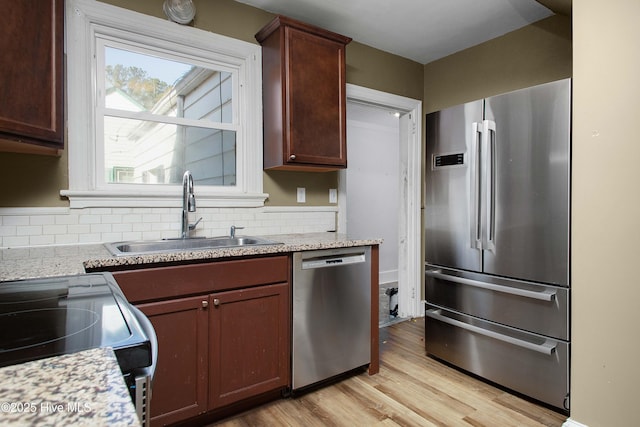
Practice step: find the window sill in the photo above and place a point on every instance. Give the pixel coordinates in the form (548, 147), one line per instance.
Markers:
(93, 199)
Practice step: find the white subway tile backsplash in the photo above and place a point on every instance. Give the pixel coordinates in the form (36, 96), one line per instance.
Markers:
(13, 241)
(152, 218)
(79, 229)
(122, 228)
(33, 227)
(112, 237)
(67, 219)
(90, 238)
(141, 226)
(89, 219)
(55, 229)
(100, 211)
(15, 220)
(101, 228)
(121, 211)
(134, 235)
(41, 240)
(29, 230)
(42, 220)
(132, 218)
(151, 235)
(8, 230)
(67, 239)
(111, 219)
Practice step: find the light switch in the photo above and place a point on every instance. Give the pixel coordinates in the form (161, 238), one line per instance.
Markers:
(302, 197)
(333, 195)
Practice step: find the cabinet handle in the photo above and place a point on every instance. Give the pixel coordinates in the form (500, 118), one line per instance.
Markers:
(292, 157)
(216, 302)
(205, 304)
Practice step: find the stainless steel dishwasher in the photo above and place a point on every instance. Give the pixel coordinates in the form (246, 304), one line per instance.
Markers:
(331, 313)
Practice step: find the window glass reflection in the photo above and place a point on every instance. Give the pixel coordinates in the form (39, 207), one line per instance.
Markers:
(144, 152)
(158, 151)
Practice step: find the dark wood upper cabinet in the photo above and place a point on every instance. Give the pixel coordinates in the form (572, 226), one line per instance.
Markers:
(304, 96)
(31, 76)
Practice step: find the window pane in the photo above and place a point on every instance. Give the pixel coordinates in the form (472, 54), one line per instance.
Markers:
(144, 152)
(138, 82)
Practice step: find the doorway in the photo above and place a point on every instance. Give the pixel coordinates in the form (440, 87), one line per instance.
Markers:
(372, 188)
(400, 254)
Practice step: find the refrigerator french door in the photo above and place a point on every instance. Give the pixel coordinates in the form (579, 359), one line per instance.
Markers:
(497, 239)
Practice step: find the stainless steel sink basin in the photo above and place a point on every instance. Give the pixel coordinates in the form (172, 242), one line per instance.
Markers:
(141, 247)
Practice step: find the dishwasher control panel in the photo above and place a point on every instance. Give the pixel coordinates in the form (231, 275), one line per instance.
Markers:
(333, 260)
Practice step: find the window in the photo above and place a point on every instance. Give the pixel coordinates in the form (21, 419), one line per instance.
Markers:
(149, 99)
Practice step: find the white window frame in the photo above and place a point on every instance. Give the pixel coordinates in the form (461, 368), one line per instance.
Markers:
(88, 20)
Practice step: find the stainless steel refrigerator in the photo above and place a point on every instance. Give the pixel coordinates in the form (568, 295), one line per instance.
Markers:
(496, 217)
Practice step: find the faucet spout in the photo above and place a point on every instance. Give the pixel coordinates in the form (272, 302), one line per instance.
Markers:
(188, 203)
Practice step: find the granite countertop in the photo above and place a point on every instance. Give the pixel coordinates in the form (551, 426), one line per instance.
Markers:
(49, 261)
(87, 388)
(79, 389)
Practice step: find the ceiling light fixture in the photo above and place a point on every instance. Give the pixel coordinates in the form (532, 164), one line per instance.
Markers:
(180, 11)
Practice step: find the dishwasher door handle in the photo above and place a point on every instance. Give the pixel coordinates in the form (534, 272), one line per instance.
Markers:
(333, 261)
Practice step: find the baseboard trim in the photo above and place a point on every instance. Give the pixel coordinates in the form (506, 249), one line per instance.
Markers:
(389, 276)
(573, 423)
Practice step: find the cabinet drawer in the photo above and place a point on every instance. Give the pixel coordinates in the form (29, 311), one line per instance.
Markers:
(168, 282)
(530, 364)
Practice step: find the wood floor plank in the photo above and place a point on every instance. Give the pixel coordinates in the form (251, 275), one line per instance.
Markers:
(410, 390)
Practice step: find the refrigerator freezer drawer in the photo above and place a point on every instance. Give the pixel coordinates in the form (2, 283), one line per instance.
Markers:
(541, 309)
(529, 364)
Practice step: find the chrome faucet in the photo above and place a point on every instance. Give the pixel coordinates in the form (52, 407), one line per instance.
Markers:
(232, 232)
(188, 204)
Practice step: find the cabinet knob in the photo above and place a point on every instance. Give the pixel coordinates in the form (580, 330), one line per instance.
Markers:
(292, 157)
(205, 304)
(216, 302)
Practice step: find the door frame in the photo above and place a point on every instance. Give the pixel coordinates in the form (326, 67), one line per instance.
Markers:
(410, 280)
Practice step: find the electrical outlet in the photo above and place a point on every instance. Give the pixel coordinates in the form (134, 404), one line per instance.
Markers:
(301, 194)
(333, 195)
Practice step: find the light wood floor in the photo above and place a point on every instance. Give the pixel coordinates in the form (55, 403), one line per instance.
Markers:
(410, 390)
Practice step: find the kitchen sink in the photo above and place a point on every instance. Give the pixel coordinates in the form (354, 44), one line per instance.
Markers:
(141, 247)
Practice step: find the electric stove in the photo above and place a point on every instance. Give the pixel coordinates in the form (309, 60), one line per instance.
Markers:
(42, 318)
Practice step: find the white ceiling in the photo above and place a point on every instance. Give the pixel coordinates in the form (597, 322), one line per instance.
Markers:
(421, 30)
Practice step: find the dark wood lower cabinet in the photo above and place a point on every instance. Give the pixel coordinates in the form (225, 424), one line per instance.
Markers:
(248, 344)
(179, 390)
(224, 333)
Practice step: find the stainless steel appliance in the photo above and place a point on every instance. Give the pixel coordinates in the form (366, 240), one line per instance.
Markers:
(48, 317)
(331, 313)
(497, 239)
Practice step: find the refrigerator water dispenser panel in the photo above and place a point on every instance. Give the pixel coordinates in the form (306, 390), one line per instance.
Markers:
(448, 160)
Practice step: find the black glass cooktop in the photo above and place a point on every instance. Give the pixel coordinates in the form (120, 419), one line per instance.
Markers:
(49, 317)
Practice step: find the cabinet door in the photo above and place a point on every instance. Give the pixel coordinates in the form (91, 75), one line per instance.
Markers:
(316, 99)
(249, 343)
(179, 389)
(31, 43)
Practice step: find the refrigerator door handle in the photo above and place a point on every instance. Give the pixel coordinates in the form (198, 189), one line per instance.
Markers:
(547, 348)
(489, 147)
(475, 194)
(546, 295)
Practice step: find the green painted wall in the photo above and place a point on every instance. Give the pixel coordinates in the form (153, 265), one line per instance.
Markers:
(41, 179)
(534, 54)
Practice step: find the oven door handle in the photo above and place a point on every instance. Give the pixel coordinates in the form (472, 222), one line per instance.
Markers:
(547, 348)
(148, 329)
(546, 295)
